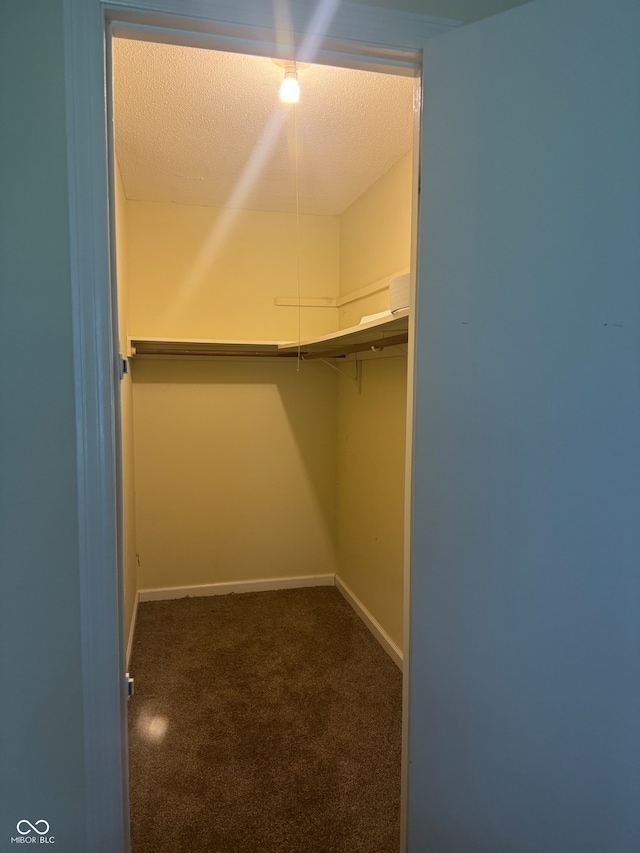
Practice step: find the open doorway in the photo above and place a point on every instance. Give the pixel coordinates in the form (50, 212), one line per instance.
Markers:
(260, 251)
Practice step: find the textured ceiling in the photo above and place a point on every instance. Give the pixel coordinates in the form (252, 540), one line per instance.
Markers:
(205, 127)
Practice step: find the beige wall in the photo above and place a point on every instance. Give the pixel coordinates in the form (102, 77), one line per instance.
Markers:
(235, 461)
(375, 240)
(126, 413)
(235, 470)
(371, 447)
(199, 272)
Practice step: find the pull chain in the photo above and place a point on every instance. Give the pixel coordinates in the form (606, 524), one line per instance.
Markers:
(297, 176)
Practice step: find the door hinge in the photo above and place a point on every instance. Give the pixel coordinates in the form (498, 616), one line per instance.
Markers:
(130, 686)
(124, 366)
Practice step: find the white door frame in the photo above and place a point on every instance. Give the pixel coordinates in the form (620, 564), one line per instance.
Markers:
(349, 33)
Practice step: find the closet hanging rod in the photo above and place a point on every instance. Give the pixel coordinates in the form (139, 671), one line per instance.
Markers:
(378, 344)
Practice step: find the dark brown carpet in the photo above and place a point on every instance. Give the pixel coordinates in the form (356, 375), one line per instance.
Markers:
(266, 722)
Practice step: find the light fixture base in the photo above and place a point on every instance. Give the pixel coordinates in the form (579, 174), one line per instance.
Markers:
(290, 88)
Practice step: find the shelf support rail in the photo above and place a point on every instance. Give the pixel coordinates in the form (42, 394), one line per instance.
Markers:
(375, 346)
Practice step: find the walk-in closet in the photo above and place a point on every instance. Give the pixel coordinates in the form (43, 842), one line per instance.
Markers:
(263, 253)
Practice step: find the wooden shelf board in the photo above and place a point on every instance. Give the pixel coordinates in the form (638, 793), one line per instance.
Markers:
(375, 329)
(344, 339)
(139, 346)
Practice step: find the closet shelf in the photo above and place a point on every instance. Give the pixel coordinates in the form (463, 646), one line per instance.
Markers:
(391, 330)
(376, 334)
(139, 346)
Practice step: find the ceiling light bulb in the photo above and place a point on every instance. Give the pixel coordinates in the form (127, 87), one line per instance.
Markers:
(290, 89)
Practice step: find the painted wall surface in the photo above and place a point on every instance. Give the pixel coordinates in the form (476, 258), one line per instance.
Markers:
(372, 427)
(375, 239)
(199, 272)
(126, 414)
(235, 470)
(235, 461)
(41, 711)
(525, 655)
(459, 10)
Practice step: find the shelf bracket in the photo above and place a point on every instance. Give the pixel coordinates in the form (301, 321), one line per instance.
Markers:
(356, 363)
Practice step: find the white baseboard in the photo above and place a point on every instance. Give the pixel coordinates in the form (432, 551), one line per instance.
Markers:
(372, 624)
(198, 590)
(132, 627)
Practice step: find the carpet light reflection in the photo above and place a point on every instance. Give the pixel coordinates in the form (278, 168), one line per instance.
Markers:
(152, 727)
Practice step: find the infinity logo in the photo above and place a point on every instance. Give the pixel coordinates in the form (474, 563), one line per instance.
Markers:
(32, 827)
